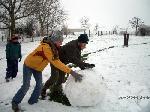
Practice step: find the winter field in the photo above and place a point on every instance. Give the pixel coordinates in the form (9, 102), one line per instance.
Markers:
(124, 70)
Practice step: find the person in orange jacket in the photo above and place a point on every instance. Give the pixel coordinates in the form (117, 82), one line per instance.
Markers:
(35, 63)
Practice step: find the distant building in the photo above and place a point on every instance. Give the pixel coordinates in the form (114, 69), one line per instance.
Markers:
(74, 31)
(144, 30)
(122, 32)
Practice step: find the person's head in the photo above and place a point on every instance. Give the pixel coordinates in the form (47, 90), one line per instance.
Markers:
(82, 41)
(56, 37)
(14, 38)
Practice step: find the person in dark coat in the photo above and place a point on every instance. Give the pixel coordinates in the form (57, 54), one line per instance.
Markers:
(13, 54)
(69, 53)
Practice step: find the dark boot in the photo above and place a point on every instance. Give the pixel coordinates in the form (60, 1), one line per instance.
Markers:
(7, 79)
(56, 90)
(15, 107)
(57, 95)
(43, 94)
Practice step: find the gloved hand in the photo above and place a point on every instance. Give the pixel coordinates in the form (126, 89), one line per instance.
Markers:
(83, 67)
(78, 77)
(91, 66)
(86, 66)
(20, 59)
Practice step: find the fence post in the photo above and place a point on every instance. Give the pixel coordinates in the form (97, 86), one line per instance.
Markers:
(126, 39)
(2, 38)
(98, 33)
(101, 32)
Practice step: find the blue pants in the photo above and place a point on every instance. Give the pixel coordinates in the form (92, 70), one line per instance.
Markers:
(12, 68)
(27, 73)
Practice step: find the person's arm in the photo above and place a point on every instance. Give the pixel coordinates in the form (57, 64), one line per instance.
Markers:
(55, 62)
(75, 57)
(7, 51)
(20, 55)
(58, 64)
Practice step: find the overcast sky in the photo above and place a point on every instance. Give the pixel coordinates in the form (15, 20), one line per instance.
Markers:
(106, 13)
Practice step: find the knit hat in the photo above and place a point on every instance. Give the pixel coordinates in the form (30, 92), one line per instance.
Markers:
(56, 36)
(83, 38)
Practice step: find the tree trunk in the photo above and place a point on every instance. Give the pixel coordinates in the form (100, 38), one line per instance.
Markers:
(42, 30)
(12, 24)
(12, 27)
(32, 39)
(47, 29)
(84, 32)
(136, 27)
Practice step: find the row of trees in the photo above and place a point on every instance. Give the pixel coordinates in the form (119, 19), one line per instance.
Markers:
(22, 15)
(135, 23)
(16, 14)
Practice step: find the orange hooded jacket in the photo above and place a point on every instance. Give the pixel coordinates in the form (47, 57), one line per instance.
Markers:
(43, 55)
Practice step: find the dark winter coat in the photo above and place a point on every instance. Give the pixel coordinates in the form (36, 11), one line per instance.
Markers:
(13, 50)
(71, 53)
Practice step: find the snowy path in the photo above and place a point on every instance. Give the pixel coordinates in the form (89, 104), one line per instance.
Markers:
(125, 70)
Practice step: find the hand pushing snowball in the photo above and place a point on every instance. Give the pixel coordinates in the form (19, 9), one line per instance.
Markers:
(89, 92)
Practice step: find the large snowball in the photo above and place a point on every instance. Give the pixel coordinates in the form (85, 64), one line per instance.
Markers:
(89, 92)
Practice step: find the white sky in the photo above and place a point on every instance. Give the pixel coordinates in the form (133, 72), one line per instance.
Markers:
(106, 13)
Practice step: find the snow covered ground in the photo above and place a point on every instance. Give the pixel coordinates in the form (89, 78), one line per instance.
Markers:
(125, 71)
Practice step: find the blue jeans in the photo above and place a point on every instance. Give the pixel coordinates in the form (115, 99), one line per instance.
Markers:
(27, 73)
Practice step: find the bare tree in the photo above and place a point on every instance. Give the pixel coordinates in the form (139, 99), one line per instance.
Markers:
(96, 27)
(65, 29)
(115, 29)
(13, 10)
(49, 14)
(136, 23)
(84, 23)
(27, 26)
(57, 18)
